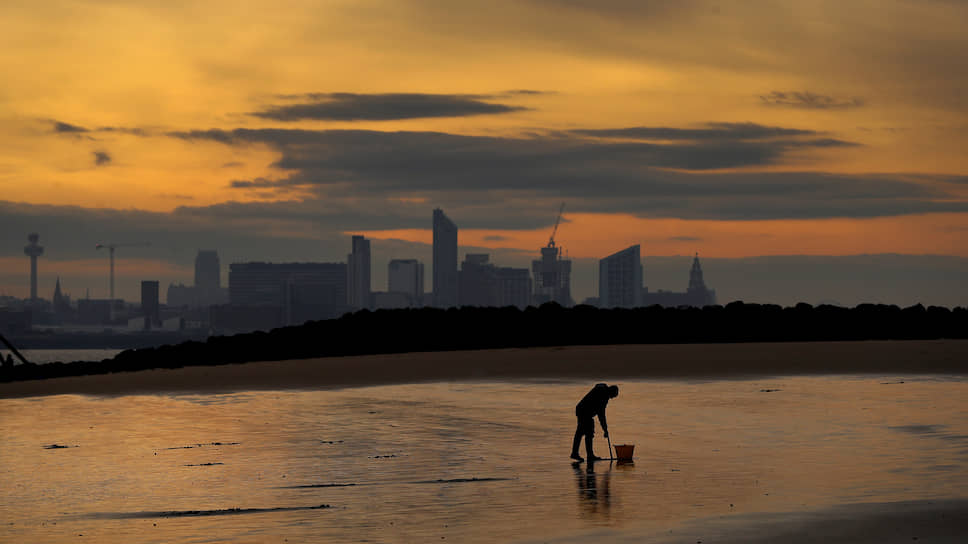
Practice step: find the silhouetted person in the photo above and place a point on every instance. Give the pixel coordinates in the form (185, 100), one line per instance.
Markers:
(8, 362)
(591, 405)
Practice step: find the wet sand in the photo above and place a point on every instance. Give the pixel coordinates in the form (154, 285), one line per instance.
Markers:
(662, 361)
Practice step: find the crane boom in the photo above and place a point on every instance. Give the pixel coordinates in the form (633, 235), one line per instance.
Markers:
(551, 241)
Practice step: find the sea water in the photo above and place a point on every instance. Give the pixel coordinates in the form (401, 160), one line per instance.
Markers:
(469, 462)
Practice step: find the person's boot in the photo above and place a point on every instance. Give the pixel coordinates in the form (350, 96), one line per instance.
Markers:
(576, 457)
(591, 454)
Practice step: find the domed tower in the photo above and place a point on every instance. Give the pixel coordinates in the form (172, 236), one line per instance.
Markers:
(33, 250)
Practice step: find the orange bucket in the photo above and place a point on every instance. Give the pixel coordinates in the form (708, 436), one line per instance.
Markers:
(623, 452)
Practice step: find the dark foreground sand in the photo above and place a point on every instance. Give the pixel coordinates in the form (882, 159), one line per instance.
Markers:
(661, 361)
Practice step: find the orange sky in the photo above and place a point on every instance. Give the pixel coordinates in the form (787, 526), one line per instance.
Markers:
(882, 79)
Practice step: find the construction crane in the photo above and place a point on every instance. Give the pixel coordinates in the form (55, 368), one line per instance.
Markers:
(551, 241)
(111, 248)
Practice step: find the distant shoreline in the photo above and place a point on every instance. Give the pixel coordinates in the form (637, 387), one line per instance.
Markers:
(591, 363)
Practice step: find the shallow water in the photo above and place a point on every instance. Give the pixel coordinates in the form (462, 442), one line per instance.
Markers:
(469, 462)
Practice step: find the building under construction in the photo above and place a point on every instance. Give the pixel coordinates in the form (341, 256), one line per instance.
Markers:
(552, 273)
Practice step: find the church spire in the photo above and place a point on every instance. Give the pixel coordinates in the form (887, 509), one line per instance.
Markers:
(696, 283)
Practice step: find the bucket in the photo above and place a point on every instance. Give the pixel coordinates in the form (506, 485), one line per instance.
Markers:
(623, 452)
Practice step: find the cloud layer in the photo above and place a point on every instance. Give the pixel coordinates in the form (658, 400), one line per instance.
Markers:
(383, 107)
(644, 171)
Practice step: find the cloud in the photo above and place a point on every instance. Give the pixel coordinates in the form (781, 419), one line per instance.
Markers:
(61, 127)
(498, 181)
(710, 131)
(685, 239)
(383, 107)
(101, 158)
(134, 131)
(496, 238)
(812, 101)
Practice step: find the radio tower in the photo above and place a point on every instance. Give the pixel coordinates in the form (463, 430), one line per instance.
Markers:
(33, 250)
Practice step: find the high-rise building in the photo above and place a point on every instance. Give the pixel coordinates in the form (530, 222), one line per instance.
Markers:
(150, 306)
(358, 273)
(513, 287)
(620, 279)
(208, 279)
(445, 261)
(552, 277)
(207, 270)
(406, 276)
(33, 250)
(477, 281)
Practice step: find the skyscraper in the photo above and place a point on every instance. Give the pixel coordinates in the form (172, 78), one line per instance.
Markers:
(149, 304)
(445, 261)
(406, 276)
(207, 271)
(208, 278)
(620, 279)
(358, 273)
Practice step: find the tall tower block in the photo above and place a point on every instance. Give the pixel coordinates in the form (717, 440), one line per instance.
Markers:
(33, 250)
(445, 260)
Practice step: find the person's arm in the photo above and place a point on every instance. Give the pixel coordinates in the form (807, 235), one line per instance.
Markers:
(601, 419)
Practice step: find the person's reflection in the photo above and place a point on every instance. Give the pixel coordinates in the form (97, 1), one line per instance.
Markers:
(594, 494)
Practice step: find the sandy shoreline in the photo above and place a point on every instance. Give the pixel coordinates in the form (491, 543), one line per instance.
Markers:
(660, 361)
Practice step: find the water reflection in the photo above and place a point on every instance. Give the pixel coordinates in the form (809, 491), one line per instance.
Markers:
(594, 488)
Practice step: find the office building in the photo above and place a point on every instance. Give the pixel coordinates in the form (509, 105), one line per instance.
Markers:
(358, 274)
(265, 284)
(513, 287)
(150, 306)
(477, 281)
(620, 279)
(208, 279)
(445, 261)
(406, 276)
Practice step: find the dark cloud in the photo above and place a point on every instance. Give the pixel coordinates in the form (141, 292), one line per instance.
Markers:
(382, 107)
(812, 101)
(494, 179)
(101, 158)
(134, 131)
(66, 128)
(496, 238)
(710, 131)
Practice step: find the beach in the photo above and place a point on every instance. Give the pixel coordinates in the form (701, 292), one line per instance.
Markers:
(846, 442)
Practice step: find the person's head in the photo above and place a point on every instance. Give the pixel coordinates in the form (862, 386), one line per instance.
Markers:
(612, 391)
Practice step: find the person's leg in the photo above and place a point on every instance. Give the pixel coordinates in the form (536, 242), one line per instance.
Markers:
(576, 442)
(589, 436)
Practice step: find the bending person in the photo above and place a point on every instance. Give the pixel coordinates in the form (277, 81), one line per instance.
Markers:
(591, 405)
